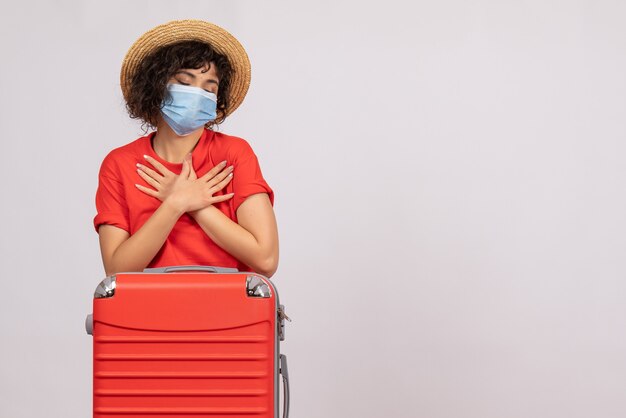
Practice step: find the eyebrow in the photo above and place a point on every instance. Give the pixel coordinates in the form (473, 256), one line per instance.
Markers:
(210, 80)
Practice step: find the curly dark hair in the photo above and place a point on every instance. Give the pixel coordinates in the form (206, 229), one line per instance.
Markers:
(147, 87)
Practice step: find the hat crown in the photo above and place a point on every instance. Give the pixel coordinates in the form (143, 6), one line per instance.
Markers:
(186, 30)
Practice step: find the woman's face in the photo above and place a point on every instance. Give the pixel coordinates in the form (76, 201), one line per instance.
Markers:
(204, 78)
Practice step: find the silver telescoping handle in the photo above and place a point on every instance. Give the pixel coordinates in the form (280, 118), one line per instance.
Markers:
(212, 269)
(285, 373)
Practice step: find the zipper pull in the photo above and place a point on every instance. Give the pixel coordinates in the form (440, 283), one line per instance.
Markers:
(282, 314)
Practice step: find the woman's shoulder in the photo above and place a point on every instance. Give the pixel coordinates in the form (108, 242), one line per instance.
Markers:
(123, 154)
(234, 147)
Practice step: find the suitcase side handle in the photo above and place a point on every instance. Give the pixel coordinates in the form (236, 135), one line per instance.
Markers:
(285, 373)
(212, 269)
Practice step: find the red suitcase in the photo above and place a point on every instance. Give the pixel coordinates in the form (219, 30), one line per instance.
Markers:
(187, 341)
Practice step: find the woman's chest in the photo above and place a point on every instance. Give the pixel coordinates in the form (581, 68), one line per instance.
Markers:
(142, 205)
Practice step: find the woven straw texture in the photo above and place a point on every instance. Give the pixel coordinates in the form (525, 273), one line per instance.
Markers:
(192, 29)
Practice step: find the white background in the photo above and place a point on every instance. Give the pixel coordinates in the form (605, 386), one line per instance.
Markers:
(449, 180)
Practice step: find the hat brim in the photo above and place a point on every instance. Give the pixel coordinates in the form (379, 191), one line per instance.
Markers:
(191, 29)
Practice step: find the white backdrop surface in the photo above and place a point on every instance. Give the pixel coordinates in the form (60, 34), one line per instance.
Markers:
(449, 190)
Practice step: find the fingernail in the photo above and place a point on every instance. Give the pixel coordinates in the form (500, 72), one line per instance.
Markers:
(223, 162)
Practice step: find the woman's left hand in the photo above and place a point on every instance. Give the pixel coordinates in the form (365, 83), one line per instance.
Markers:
(162, 181)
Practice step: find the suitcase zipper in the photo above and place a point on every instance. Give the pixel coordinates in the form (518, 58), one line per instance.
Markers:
(281, 322)
(282, 315)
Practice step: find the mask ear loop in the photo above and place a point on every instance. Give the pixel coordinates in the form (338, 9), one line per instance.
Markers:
(219, 116)
(210, 124)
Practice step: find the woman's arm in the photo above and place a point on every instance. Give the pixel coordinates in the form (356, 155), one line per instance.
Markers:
(121, 253)
(253, 240)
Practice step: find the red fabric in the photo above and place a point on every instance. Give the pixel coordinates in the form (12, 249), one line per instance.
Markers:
(120, 203)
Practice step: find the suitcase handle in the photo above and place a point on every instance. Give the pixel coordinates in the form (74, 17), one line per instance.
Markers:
(212, 269)
(285, 373)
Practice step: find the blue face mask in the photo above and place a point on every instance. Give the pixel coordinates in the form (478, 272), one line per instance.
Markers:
(189, 108)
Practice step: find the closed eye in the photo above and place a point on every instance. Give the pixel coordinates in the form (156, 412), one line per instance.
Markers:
(186, 84)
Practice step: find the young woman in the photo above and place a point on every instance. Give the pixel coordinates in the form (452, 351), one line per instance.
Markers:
(185, 194)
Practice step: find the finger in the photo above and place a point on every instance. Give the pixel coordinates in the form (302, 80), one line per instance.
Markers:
(157, 164)
(222, 184)
(223, 197)
(221, 176)
(149, 179)
(146, 190)
(212, 172)
(150, 172)
(185, 171)
(192, 172)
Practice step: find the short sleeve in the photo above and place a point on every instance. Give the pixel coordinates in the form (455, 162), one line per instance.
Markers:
(248, 178)
(111, 204)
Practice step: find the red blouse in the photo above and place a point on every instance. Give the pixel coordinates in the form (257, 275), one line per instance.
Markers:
(120, 203)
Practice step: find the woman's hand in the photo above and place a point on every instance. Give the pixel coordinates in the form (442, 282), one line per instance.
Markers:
(185, 191)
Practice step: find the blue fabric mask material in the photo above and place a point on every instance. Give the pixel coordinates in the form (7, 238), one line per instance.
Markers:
(189, 108)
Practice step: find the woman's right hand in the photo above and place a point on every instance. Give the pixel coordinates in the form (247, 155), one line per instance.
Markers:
(190, 193)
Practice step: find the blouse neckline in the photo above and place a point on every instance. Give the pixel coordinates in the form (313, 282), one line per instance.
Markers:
(196, 153)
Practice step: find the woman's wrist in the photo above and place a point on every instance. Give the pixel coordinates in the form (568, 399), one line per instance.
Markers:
(174, 207)
(195, 213)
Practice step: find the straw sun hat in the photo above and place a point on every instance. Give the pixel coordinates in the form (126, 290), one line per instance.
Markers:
(185, 30)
